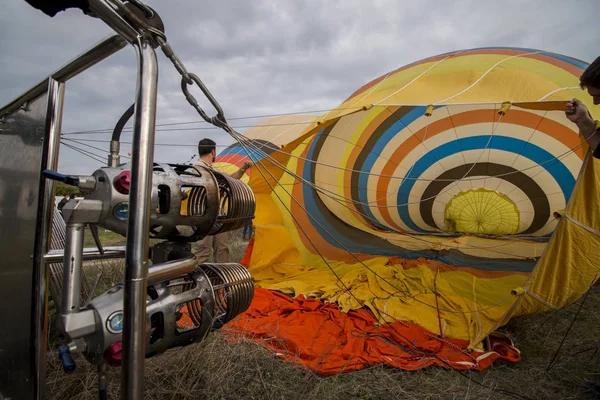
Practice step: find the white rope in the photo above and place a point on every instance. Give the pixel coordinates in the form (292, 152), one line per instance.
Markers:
(557, 90)
(241, 139)
(407, 292)
(582, 225)
(416, 78)
(464, 178)
(484, 75)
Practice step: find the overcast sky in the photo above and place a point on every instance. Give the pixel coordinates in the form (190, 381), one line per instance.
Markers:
(264, 57)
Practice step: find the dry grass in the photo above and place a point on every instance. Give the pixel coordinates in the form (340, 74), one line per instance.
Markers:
(215, 369)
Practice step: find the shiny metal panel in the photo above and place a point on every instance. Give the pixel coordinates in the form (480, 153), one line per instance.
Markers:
(39, 321)
(29, 140)
(21, 151)
(136, 267)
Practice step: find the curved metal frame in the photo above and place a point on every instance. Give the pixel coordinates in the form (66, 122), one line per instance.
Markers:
(29, 362)
(136, 264)
(137, 242)
(136, 273)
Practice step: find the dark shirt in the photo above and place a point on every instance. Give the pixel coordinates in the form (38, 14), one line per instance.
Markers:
(62, 203)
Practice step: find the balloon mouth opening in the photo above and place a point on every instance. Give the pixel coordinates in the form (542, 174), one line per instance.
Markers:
(482, 212)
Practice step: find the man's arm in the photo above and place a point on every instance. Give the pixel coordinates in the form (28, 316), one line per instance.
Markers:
(578, 113)
(240, 172)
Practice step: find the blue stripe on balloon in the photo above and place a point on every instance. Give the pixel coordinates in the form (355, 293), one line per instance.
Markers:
(375, 153)
(236, 149)
(313, 210)
(555, 168)
(257, 154)
(338, 240)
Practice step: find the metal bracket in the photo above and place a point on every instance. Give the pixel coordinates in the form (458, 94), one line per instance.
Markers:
(83, 211)
(77, 324)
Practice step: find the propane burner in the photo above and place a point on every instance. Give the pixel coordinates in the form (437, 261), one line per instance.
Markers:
(187, 202)
(180, 311)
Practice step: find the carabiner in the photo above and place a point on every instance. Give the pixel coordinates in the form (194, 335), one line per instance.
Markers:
(219, 117)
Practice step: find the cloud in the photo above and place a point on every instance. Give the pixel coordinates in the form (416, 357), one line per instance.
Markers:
(265, 57)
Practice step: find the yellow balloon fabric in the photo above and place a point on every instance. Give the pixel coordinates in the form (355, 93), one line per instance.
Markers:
(482, 212)
(430, 195)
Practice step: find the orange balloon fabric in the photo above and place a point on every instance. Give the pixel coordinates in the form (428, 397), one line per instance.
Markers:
(320, 337)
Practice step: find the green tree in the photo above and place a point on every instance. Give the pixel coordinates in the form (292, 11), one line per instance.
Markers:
(63, 188)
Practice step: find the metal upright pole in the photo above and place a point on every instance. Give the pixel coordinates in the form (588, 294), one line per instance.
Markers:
(56, 93)
(73, 268)
(136, 270)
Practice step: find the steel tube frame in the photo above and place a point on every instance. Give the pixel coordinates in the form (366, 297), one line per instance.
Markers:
(136, 268)
(89, 253)
(171, 269)
(136, 273)
(55, 87)
(156, 273)
(72, 268)
(39, 318)
(107, 11)
(79, 64)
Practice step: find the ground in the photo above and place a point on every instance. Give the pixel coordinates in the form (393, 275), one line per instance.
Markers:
(215, 369)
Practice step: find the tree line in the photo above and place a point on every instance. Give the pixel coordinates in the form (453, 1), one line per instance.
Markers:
(62, 189)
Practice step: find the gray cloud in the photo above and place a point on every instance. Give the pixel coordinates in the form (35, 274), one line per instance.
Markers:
(265, 57)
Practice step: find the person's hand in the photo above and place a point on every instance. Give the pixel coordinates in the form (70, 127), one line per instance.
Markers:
(577, 112)
(247, 165)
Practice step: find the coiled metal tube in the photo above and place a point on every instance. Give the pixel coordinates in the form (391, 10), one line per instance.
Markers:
(233, 290)
(237, 207)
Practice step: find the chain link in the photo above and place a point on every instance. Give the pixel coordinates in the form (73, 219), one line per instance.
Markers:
(170, 54)
(217, 120)
(189, 79)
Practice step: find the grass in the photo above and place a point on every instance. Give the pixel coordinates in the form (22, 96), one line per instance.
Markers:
(107, 238)
(215, 369)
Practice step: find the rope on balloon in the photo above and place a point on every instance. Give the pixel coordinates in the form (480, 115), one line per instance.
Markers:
(325, 193)
(405, 291)
(326, 165)
(98, 158)
(388, 327)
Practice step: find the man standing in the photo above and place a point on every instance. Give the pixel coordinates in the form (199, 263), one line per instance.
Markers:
(63, 201)
(247, 231)
(62, 204)
(578, 113)
(219, 243)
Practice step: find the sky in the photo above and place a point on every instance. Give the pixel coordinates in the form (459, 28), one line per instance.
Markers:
(266, 57)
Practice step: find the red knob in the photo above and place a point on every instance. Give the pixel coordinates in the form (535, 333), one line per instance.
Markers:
(112, 355)
(122, 181)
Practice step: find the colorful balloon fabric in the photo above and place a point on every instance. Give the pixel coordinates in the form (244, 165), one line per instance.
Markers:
(451, 195)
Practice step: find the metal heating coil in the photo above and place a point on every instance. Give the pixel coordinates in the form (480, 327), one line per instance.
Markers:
(237, 205)
(197, 201)
(233, 290)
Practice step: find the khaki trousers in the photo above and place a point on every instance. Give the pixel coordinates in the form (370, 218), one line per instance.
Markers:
(219, 244)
